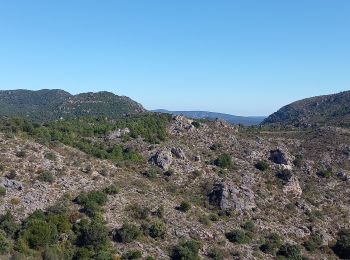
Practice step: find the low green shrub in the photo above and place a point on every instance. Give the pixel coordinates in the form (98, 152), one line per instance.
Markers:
(342, 246)
(216, 254)
(8, 224)
(238, 237)
(133, 254)
(157, 230)
(262, 165)
(5, 243)
(112, 189)
(46, 176)
(315, 242)
(127, 233)
(186, 250)
(2, 191)
(272, 243)
(298, 161)
(92, 202)
(248, 226)
(224, 161)
(289, 251)
(11, 175)
(185, 206)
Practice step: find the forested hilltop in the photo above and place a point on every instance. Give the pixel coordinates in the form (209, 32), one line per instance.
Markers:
(47, 105)
(328, 110)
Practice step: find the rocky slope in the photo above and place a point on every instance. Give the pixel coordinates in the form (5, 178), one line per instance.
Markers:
(237, 192)
(46, 105)
(331, 110)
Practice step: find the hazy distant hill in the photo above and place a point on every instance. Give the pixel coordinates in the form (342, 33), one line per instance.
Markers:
(251, 120)
(333, 110)
(46, 104)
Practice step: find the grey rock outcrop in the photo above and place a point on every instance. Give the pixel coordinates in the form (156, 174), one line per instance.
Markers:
(117, 134)
(292, 187)
(227, 197)
(179, 153)
(280, 156)
(11, 184)
(162, 159)
(344, 175)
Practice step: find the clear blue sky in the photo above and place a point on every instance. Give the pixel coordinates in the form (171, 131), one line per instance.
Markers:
(241, 57)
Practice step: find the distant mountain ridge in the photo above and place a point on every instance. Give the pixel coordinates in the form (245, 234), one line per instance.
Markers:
(326, 110)
(249, 120)
(45, 105)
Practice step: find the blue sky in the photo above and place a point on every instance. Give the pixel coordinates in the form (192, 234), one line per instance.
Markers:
(241, 57)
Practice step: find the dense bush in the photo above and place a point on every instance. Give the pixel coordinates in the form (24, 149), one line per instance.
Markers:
(92, 234)
(298, 161)
(5, 243)
(216, 254)
(127, 233)
(185, 206)
(8, 224)
(238, 236)
(272, 243)
(314, 243)
(78, 133)
(92, 201)
(39, 233)
(262, 165)
(186, 250)
(248, 226)
(157, 230)
(289, 251)
(133, 254)
(2, 191)
(224, 161)
(342, 247)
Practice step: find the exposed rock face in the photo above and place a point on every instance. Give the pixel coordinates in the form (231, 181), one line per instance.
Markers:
(179, 153)
(117, 134)
(344, 175)
(279, 156)
(11, 184)
(292, 187)
(163, 159)
(181, 124)
(227, 197)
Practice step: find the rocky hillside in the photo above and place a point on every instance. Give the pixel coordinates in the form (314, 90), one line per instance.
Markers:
(331, 110)
(155, 187)
(47, 105)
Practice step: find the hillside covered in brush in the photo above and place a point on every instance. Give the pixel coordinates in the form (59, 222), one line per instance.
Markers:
(331, 110)
(47, 105)
(152, 186)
